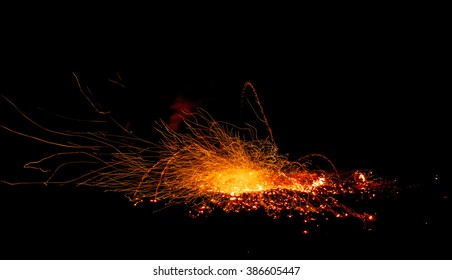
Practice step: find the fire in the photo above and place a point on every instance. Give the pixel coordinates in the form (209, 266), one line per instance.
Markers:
(212, 165)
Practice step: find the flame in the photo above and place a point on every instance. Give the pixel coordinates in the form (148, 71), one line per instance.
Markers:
(212, 165)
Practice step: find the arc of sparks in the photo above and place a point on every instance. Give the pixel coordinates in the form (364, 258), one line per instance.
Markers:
(213, 165)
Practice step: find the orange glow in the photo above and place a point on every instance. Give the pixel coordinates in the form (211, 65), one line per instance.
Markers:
(213, 165)
(238, 180)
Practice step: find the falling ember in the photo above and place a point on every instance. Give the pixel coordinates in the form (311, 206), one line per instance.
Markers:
(211, 165)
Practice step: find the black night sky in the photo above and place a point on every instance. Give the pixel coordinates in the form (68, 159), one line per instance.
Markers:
(367, 96)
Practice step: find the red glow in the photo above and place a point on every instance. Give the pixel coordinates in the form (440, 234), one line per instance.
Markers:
(182, 109)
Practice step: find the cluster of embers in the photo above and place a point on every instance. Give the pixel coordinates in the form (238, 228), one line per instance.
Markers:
(319, 196)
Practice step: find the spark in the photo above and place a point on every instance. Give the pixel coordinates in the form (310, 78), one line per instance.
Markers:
(211, 165)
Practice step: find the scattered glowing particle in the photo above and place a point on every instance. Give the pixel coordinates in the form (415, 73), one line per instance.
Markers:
(211, 165)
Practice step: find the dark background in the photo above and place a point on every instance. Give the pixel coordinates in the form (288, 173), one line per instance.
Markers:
(367, 92)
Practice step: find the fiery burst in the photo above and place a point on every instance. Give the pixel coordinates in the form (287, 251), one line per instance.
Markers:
(211, 165)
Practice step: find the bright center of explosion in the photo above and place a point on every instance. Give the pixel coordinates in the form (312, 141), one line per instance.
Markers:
(239, 180)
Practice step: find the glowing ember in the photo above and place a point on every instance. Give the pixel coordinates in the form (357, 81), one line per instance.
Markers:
(213, 165)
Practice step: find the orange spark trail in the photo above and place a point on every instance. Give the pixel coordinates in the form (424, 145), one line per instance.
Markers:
(212, 165)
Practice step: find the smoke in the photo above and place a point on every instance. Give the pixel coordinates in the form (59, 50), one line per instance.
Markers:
(181, 108)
